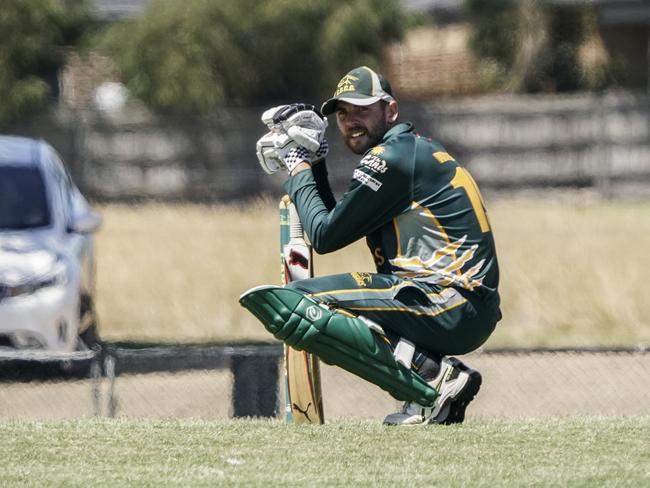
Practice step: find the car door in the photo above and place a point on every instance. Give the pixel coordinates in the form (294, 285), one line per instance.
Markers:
(67, 205)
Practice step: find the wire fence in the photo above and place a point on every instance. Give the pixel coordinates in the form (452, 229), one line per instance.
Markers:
(213, 382)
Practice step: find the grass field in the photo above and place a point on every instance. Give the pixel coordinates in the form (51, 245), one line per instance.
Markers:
(573, 273)
(577, 452)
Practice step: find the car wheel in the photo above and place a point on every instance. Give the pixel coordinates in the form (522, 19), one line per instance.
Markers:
(88, 337)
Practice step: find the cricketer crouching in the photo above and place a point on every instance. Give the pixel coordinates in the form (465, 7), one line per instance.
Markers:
(435, 290)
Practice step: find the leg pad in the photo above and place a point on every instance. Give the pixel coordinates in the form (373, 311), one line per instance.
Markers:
(336, 339)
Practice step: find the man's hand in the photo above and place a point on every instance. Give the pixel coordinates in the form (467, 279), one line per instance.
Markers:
(267, 152)
(296, 156)
(322, 151)
(276, 151)
(297, 134)
(299, 121)
(274, 116)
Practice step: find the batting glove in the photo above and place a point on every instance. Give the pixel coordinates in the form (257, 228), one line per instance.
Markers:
(274, 116)
(276, 151)
(299, 121)
(295, 156)
(322, 151)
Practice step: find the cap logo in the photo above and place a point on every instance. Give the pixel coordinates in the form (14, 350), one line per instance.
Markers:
(346, 85)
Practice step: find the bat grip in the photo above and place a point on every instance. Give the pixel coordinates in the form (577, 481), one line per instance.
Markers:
(295, 226)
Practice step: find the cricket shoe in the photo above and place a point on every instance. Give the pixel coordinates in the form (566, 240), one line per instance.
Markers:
(457, 385)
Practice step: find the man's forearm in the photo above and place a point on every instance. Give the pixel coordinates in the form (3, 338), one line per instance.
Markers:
(319, 172)
(300, 168)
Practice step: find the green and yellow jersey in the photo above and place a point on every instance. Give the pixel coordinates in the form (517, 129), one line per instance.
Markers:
(420, 211)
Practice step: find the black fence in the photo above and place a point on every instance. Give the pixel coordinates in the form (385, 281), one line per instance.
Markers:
(215, 381)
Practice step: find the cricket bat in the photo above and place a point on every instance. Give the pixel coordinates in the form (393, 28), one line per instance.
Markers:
(303, 393)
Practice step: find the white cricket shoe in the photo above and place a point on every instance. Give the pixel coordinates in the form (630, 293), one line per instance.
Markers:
(456, 385)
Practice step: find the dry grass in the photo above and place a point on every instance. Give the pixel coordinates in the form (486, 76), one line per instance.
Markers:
(572, 273)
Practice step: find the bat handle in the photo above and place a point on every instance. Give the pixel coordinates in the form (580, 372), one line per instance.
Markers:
(295, 226)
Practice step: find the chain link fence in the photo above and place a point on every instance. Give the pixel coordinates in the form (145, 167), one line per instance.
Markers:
(220, 382)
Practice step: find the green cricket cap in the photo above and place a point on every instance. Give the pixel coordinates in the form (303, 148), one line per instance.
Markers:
(361, 86)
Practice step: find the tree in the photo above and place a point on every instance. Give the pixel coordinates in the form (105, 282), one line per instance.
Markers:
(530, 45)
(34, 33)
(197, 55)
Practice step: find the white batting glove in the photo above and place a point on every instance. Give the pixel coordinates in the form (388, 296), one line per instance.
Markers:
(322, 151)
(307, 128)
(274, 116)
(269, 116)
(271, 149)
(295, 156)
(299, 121)
(267, 153)
(276, 151)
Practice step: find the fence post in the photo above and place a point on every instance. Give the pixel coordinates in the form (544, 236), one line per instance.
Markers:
(603, 173)
(255, 384)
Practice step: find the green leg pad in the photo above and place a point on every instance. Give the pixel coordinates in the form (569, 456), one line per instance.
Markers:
(337, 339)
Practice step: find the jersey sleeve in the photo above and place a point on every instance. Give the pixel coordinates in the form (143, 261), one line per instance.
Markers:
(380, 190)
(323, 185)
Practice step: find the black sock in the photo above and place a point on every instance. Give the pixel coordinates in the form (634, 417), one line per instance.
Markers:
(427, 365)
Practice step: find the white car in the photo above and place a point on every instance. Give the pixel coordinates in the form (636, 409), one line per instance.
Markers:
(47, 262)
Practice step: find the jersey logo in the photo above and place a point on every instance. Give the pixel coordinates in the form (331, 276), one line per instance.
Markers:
(377, 150)
(375, 163)
(442, 156)
(362, 279)
(443, 267)
(366, 179)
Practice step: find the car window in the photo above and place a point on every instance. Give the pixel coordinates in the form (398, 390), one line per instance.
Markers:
(23, 201)
(63, 185)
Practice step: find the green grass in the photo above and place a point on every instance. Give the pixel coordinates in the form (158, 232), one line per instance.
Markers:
(560, 452)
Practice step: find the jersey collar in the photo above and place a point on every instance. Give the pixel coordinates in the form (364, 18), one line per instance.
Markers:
(397, 130)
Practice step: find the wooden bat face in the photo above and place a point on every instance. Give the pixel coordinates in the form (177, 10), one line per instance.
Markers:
(303, 393)
(304, 388)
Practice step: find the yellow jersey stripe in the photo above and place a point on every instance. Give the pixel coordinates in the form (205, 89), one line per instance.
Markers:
(408, 310)
(356, 290)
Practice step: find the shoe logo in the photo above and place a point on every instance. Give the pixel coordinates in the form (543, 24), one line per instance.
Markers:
(443, 378)
(314, 313)
(449, 373)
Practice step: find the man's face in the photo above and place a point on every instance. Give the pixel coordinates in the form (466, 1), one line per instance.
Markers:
(364, 127)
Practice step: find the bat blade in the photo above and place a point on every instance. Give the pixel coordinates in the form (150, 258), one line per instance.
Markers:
(297, 260)
(303, 392)
(303, 384)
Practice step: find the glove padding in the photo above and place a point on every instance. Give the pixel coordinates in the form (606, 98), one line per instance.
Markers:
(271, 150)
(322, 151)
(293, 126)
(295, 156)
(299, 121)
(274, 116)
(276, 151)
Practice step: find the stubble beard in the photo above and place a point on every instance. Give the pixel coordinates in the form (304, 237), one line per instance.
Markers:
(371, 138)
